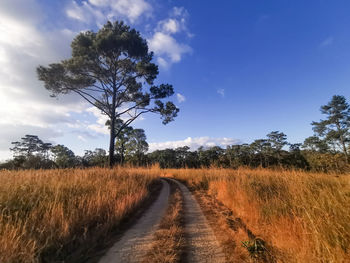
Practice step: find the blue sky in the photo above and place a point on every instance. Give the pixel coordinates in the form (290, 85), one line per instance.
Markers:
(240, 68)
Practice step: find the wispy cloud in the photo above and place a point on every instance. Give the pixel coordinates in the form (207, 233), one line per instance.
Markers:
(193, 143)
(25, 106)
(327, 42)
(98, 11)
(221, 92)
(180, 97)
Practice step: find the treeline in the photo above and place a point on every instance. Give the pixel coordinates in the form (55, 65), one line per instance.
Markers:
(32, 153)
(327, 150)
(260, 153)
(313, 154)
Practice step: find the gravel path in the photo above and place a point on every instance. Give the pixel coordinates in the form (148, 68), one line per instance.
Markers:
(135, 243)
(202, 244)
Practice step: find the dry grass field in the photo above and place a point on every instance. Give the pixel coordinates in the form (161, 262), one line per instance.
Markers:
(46, 215)
(305, 217)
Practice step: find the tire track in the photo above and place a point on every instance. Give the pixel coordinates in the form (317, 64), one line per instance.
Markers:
(136, 241)
(202, 245)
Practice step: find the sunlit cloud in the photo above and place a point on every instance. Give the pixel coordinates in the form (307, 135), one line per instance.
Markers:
(193, 143)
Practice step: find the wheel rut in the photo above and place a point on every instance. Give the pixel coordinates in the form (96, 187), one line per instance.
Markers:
(202, 244)
(134, 244)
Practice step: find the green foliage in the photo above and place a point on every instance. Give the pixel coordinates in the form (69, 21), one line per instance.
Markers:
(30, 145)
(314, 143)
(97, 157)
(63, 157)
(335, 128)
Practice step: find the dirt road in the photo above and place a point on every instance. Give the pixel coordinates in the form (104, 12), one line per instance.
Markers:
(201, 244)
(134, 244)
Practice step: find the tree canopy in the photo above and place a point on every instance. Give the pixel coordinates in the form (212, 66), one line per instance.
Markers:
(112, 69)
(335, 128)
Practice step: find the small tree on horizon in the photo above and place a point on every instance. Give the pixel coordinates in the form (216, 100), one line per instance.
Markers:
(137, 145)
(29, 145)
(112, 70)
(335, 128)
(277, 140)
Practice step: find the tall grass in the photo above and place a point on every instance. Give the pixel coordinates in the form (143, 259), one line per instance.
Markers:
(47, 215)
(305, 216)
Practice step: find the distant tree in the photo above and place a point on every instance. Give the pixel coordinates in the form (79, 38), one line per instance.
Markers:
(210, 156)
(263, 150)
(122, 139)
(45, 150)
(112, 70)
(337, 124)
(63, 157)
(295, 158)
(165, 158)
(181, 155)
(238, 155)
(315, 144)
(28, 145)
(95, 158)
(277, 140)
(137, 145)
(234, 155)
(294, 147)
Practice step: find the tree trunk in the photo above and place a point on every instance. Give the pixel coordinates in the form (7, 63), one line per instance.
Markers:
(342, 141)
(112, 133)
(122, 154)
(111, 144)
(344, 149)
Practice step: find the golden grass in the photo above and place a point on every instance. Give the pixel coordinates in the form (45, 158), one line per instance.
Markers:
(47, 215)
(304, 216)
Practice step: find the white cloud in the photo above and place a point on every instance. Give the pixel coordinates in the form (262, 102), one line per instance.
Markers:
(170, 25)
(100, 125)
(98, 11)
(167, 49)
(162, 62)
(327, 42)
(193, 143)
(221, 92)
(25, 105)
(165, 45)
(180, 97)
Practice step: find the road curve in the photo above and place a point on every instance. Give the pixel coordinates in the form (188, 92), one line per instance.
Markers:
(202, 244)
(136, 241)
